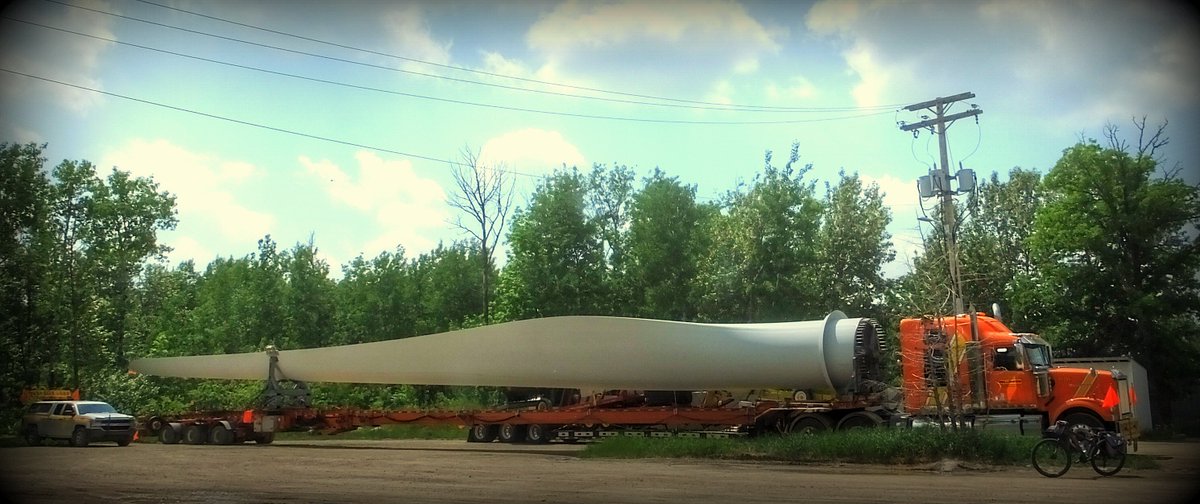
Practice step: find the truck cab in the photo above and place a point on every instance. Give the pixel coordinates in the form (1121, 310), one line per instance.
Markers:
(976, 367)
(78, 422)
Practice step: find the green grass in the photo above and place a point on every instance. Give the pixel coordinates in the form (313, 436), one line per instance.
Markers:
(873, 446)
(385, 432)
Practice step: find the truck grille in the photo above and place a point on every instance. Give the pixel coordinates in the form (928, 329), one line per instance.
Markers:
(117, 425)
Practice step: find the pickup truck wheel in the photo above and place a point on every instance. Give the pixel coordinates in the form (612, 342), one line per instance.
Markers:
(265, 438)
(79, 437)
(194, 434)
(125, 441)
(31, 436)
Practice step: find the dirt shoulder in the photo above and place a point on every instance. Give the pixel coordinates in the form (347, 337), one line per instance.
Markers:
(454, 471)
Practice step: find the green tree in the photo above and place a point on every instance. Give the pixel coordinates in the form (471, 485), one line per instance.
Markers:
(761, 265)
(24, 262)
(126, 215)
(308, 298)
(555, 260)
(853, 245)
(663, 248)
(1117, 270)
(610, 194)
(994, 249)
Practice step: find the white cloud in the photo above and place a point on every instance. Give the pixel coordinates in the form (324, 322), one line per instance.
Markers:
(668, 40)
(798, 88)
(203, 186)
(409, 33)
(531, 151)
(406, 208)
(1090, 62)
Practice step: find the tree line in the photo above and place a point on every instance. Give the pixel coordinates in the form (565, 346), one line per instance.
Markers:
(1096, 256)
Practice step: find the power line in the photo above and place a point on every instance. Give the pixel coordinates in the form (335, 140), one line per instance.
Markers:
(696, 104)
(248, 123)
(435, 98)
(715, 105)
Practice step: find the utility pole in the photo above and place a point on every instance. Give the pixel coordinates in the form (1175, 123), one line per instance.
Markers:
(937, 182)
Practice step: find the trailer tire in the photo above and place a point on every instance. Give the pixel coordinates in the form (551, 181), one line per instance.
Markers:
(512, 433)
(156, 424)
(537, 434)
(169, 434)
(860, 420)
(221, 435)
(809, 424)
(265, 438)
(481, 433)
(195, 435)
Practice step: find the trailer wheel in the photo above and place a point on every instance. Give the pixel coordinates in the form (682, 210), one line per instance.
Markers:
(512, 433)
(860, 420)
(537, 434)
(169, 434)
(481, 433)
(221, 435)
(156, 424)
(265, 438)
(195, 434)
(807, 425)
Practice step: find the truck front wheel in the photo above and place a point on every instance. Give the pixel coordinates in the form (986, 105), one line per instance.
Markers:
(1085, 418)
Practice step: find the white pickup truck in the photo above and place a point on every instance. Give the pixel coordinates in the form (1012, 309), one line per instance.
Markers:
(78, 422)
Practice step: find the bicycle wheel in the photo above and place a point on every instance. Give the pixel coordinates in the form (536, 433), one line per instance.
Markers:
(1104, 463)
(1051, 458)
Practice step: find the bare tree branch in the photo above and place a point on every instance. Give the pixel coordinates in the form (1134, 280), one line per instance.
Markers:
(485, 195)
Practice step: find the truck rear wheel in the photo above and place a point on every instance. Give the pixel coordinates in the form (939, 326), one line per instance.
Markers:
(860, 420)
(31, 436)
(807, 425)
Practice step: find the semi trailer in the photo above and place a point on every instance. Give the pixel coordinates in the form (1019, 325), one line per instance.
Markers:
(599, 377)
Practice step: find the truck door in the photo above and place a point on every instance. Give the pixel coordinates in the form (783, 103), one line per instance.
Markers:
(1010, 382)
(60, 422)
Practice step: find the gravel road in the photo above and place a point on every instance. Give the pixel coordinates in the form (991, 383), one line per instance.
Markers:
(453, 471)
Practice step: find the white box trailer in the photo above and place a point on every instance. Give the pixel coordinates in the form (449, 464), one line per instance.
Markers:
(1131, 369)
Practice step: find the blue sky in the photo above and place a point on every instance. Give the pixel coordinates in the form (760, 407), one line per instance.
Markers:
(396, 78)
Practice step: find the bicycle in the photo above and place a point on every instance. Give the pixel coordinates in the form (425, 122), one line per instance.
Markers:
(1053, 456)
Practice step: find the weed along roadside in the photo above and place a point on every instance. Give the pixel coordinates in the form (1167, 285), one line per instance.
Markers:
(874, 446)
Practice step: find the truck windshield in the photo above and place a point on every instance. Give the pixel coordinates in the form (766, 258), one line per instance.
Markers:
(1039, 355)
(95, 408)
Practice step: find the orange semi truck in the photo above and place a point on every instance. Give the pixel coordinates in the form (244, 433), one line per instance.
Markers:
(970, 369)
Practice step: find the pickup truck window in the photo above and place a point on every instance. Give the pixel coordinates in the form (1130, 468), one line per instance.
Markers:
(68, 410)
(41, 407)
(95, 408)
